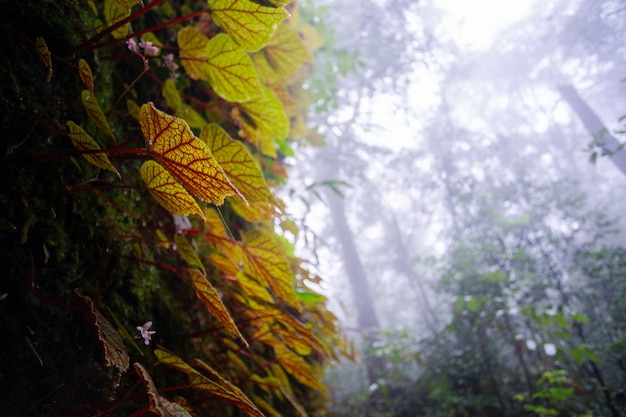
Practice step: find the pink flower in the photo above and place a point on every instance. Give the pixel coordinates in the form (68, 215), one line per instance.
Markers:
(145, 333)
(149, 49)
(132, 45)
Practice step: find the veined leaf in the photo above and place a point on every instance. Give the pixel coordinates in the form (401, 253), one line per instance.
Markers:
(253, 212)
(200, 382)
(44, 54)
(283, 55)
(167, 191)
(159, 404)
(268, 264)
(237, 163)
(230, 70)
(83, 142)
(297, 367)
(249, 24)
(116, 11)
(193, 52)
(211, 299)
(252, 288)
(188, 253)
(84, 70)
(186, 157)
(95, 113)
(114, 351)
(250, 408)
(264, 120)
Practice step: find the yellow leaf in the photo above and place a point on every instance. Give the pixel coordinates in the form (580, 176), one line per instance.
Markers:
(297, 367)
(268, 264)
(133, 109)
(182, 110)
(162, 239)
(249, 24)
(188, 253)
(167, 191)
(44, 54)
(171, 95)
(158, 403)
(269, 410)
(83, 142)
(186, 157)
(95, 113)
(200, 382)
(230, 70)
(211, 299)
(242, 169)
(310, 36)
(252, 288)
(264, 120)
(116, 11)
(84, 70)
(193, 52)
(284, 54)
(253, 212)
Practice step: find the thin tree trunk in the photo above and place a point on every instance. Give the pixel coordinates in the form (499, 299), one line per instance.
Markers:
(367, 318)
(609, 144)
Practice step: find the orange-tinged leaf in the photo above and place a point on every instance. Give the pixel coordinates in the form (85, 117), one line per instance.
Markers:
(193, 52)
(211, 299)
(116, 11)
(249, 24)
(186, 157)
(159, 404)
(247, 406)
(167, 191)
(252, 288)
(284, 53)
(268, 264)
(188, 253)
(254, 212)
(95, 113)
(200, 382)
(44, 54)
(84, 70)
(265, 120)
(242, 169)
(230, 70)
(297, 367)
(83, 142)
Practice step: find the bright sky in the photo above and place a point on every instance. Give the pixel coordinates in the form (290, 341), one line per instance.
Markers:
(475, 23)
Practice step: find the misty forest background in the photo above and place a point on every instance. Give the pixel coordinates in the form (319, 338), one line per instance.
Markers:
(462, 200)
(469, 208)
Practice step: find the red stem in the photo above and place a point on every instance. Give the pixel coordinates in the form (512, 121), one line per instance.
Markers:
(90, 42)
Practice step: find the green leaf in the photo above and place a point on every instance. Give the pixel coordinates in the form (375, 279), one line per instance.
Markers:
(249, 24)
(230, 70)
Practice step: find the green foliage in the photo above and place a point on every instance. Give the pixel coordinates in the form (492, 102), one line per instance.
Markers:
(125, 124)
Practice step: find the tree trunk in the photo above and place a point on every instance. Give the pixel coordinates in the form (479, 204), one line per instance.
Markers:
(367, 318)
(609, 144)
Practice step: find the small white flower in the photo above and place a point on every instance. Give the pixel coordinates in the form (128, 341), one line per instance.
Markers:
(145, 333)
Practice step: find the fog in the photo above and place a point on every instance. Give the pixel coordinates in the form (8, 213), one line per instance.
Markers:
(466, 209)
